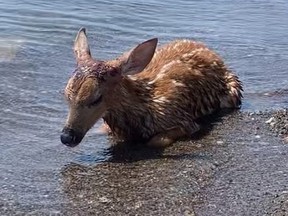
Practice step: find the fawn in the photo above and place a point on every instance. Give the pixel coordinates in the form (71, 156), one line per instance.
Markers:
(147, 95)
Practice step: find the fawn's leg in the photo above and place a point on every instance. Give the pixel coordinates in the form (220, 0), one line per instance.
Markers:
(170, 136)
(166, 138)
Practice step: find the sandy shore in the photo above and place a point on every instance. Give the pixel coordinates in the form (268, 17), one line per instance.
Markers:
(237, 167)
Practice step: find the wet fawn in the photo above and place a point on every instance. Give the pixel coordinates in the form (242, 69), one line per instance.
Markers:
(147, 95)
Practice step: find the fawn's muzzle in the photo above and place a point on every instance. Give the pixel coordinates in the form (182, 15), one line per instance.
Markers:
(70, 137)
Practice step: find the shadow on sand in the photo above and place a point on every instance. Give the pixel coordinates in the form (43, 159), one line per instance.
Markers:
(120, 152)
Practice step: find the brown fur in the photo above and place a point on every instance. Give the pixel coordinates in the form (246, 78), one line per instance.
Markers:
(184, 81)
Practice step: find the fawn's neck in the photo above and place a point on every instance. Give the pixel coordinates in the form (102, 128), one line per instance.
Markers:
(130, 93)
(129, 112)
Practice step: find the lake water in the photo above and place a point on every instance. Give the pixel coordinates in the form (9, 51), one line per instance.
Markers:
(36, 60)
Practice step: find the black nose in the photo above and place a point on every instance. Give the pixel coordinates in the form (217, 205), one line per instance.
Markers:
(70, 138)
(67, 138)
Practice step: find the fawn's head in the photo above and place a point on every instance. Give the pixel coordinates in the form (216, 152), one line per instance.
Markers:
(90, 87)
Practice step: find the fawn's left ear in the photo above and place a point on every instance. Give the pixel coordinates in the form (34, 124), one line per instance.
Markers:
(137, 59)
(81, 46)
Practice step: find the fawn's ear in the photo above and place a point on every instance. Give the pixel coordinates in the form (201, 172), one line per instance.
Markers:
(138, 58)
(81, 46)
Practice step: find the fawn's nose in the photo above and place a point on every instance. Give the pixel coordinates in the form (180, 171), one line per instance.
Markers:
(70, 138)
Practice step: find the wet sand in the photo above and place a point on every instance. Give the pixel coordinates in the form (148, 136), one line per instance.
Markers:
(237, 167)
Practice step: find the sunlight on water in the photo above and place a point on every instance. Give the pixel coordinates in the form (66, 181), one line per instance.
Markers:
(9, 48)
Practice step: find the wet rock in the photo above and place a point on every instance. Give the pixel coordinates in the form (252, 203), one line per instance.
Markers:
(270, 120)
(220, 142)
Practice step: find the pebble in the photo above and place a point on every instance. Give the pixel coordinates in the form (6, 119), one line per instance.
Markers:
(104, 200)
(189, 212)
(270, 120)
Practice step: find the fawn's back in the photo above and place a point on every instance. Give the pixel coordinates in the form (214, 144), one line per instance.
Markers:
(188, 69)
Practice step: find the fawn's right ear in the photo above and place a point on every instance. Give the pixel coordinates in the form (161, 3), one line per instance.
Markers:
(81, 46)
(136, 60)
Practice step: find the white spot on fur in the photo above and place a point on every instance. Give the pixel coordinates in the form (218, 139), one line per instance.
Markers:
(148, 87)
(187, 55)
(85, 69)
(185, 41)
(214, 63)
(177, 45)
(159, 76)
(178, 83)
(234, 91)
(161, 99)
(164, 70)
(167, 66)
(191, 54)
(151, 82)
(131, 77)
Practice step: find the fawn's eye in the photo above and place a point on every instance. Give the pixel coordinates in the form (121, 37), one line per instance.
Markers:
(96, 102)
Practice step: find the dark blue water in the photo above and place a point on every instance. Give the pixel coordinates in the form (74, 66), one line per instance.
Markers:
(36, 60)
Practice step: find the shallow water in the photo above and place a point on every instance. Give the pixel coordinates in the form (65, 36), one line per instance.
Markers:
(36, 60)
